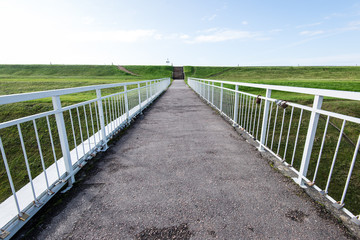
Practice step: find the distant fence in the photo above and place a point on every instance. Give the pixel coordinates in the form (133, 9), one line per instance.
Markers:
(55, 144)
(312, 141)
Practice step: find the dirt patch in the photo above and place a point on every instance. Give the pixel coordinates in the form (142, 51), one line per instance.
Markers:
(121, 68)
(296, 215)
(180, 232)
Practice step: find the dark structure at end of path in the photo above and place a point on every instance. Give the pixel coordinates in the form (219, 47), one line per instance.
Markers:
(178, 73)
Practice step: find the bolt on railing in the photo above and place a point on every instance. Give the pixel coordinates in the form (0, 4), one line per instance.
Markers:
(283, 135)
(77, 131)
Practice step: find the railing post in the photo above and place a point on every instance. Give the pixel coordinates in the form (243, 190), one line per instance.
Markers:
(139, 93)
(59, 116)
(236, 105)
(265, 120)
(147, 92)
(310, 136)
(151, 90)
(208, 91)
(221, 96)
(126, 104)
(212, 96)
(102, 119)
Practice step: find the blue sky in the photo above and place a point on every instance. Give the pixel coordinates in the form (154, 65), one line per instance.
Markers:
(197, 32)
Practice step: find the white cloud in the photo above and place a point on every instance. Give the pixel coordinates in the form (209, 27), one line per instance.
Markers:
(209, 18)
(244, 23)
(275, 30)
(355, 23)
(223, 35)
(87, 20)
(309, 25)
(311, 33)
(184, 36)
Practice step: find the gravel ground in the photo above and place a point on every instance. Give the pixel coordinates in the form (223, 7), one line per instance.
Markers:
(182, 172)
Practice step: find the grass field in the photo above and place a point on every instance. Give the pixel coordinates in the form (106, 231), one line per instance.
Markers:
(28, 78)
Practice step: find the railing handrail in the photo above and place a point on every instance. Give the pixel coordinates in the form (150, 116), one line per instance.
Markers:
(238, 106)
(21, 97)
(312, 91)
(89, 132)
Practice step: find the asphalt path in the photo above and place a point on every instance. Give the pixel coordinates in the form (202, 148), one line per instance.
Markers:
(182, 172)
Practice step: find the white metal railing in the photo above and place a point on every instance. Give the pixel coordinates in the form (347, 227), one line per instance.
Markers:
(75, 132)
(288, 131)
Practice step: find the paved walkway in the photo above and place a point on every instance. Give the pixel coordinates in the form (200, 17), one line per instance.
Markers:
(182, 171)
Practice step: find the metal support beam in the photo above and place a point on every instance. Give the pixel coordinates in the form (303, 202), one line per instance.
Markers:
(236, 105)
(310, 136)
(59, 116)
(265, 120)
(102, 119)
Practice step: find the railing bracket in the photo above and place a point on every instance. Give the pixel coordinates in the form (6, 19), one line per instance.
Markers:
(4, 234)
(23, 217)
(49, 192)
(338, 206)
(323, 193)
(310, 184)
(356, 220)
(104, 148)
(37, 203)
(66, 189)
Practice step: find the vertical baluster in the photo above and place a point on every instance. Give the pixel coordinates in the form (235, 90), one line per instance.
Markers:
(281, 131)
(251, 114)
(321, 148)
(288, 134)
(87, 127)
(26, 162)
(110, 124)
(275, 119)
(80, 128)
(9, 177)
(52, 146)
(126, 104)
(74, 135)
(350, 171)
(112, 99)
(254, 123)
(106, 118)
(335, 156)
(97, 120)
(92, 124)
(297, 137)
(41, 156)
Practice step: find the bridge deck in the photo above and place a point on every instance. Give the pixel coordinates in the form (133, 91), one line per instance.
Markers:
(182, 171)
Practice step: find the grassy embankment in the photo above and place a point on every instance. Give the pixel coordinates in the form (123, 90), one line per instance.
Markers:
(336, 78)
(30, 78)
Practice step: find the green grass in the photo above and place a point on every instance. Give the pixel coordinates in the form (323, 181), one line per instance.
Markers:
(336, 78)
